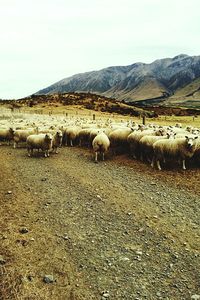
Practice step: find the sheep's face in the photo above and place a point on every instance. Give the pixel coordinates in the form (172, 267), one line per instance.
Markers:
(59, 137)
(48, 137)
(171, 135)
(59, 134)
(190, 142)
(11, 130)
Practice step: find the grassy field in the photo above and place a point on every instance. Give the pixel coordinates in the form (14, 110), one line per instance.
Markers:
(80, 112)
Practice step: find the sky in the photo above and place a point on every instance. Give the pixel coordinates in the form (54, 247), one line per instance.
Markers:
(44, 41)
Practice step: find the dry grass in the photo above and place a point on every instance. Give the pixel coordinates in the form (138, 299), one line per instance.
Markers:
(78, 111)
(10, 283)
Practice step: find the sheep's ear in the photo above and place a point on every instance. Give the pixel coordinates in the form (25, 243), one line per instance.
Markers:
(196, 137)
(186, 137)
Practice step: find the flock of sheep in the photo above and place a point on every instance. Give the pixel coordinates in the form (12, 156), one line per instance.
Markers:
(151, 143)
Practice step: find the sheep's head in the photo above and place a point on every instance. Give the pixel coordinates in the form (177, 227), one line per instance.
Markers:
(161, 132)
(59, 134)
(48, 137)
(190, 142)
(171, 134)
(11, 131)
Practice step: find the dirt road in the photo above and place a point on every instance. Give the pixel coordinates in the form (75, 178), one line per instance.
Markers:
(112, 230)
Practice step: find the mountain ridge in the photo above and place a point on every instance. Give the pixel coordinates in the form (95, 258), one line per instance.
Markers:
(136, 82)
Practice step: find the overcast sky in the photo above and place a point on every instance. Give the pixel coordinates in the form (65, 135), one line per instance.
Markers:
(44, 41)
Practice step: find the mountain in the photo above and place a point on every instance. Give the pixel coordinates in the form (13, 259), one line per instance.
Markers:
(164, 79)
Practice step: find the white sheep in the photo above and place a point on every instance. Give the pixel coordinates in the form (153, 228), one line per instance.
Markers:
(197, 151)
(6, 134)
(100, 144)
(134, 139)
(146, 145)
(84, 137)
(57, 140)
(39, 141)
(70, 135)
(21, 135)
(118, 139)
(174, 149)
(93, 134)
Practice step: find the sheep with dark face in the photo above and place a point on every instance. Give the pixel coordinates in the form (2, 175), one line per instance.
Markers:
(100, 145)
(39, 141)
(175, 149)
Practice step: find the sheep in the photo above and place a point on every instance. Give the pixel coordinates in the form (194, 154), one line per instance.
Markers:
(84, 137)
(118, 139)
(71, 135)
(180, 149)
(196, 156)
(134, 139)
(57, 141)
(6, 134)
(100, 144)
(93, 134)
(178, 125)
(39, 141)
(146, 145)
(21, 135)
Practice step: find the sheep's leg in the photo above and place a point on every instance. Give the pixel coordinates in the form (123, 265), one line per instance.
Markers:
(29, 152)
(152, 162)
(141, 157)
(71, 144)
(56, 150)
(96, 160)
(15, 145)
(148, 158)
(103, 156)
(158, 165)
(133, 153)
(183, 162)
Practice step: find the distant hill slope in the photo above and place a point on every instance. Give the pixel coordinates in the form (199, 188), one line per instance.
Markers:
(89, 101)
(168, 78)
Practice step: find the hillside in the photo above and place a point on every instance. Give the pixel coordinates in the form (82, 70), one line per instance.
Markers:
(188, 96)
(85, 100)
(169, 78)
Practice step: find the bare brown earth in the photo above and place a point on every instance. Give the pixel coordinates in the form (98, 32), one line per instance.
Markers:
(112, 230)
